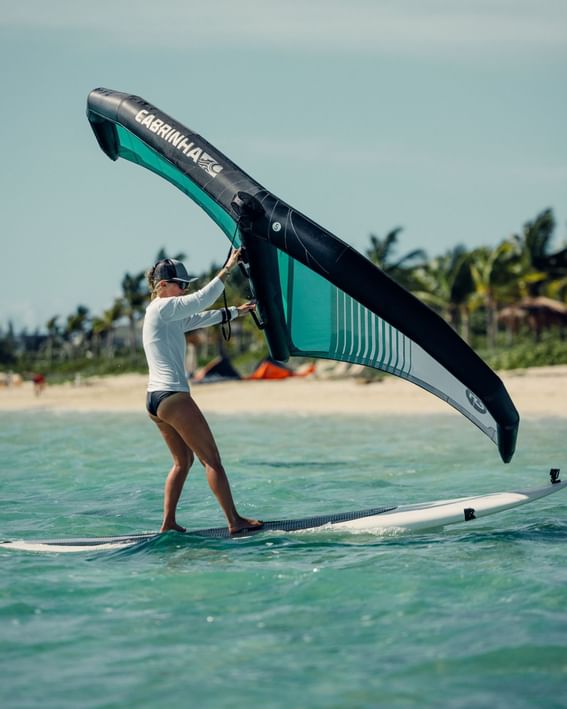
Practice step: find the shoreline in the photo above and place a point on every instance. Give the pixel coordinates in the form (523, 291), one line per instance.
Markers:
(536, 392)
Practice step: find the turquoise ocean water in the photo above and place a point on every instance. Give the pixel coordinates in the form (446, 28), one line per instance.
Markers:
(471, 616)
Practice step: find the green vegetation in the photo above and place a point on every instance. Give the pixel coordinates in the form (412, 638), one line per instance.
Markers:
(508, 302)
(527, 353)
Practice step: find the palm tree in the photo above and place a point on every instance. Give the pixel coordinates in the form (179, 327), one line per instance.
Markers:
(100, 327)
(496, 277)
(135, 298)
(557, 289)
(536, 238)
(533, 244)
(381, 253)
(557, 263)
(52, 336)
(8, 345)
(75, 326)
(445, 283)
(103, 327)
(546, 274)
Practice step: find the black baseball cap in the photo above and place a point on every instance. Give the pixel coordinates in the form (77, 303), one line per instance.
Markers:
(170, 269)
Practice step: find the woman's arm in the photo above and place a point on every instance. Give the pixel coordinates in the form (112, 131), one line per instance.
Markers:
(207, 319)
(215, 317)
(186, 306)
(229, 265)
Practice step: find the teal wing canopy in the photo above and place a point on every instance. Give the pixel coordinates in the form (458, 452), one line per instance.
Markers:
(317, 296)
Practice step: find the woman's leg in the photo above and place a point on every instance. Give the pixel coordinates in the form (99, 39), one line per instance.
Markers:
(182, 460)
(181, 413)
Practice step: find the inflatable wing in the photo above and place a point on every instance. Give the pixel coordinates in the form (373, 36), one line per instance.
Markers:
(317, 296)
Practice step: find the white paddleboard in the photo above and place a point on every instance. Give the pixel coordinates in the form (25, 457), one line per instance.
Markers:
(426, 515)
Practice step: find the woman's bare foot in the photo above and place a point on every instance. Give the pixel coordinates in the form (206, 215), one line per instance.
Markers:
(172, 527)
(242, 524)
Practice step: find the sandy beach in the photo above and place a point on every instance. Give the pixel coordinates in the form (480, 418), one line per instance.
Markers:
(537, 392)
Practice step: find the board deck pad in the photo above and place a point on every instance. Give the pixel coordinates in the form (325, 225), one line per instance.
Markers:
(296, 525)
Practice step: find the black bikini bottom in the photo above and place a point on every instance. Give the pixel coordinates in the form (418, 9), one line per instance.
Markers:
(154, 399)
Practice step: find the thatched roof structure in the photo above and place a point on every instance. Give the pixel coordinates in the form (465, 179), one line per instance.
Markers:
(539, 313)
(543, 304)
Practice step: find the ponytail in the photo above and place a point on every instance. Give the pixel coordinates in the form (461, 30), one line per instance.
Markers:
(151, 284)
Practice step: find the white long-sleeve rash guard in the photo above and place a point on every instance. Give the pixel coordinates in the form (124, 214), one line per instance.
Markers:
(163, 334)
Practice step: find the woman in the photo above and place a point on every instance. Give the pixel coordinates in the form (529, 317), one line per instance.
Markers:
(170, 314)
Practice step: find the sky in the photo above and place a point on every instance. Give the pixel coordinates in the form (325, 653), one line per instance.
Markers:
(444, 117)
